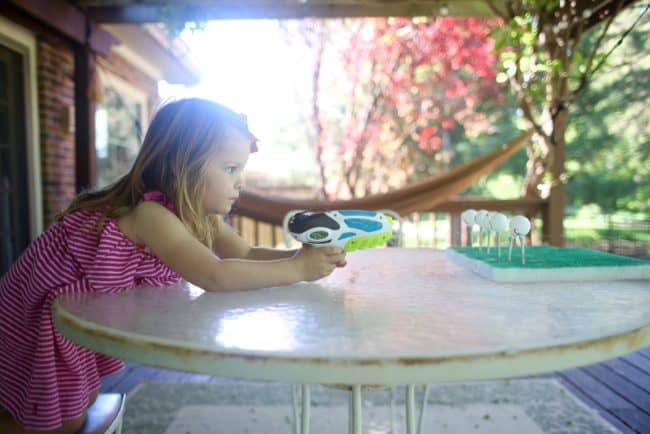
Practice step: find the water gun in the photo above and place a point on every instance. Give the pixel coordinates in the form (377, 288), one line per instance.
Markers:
(347, 229)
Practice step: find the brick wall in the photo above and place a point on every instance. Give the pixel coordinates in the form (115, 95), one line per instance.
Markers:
(55, 72)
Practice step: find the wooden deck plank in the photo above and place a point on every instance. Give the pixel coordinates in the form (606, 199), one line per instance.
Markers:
(611, 399)
(602, 411)
(639, 361)
(131, 377)
(110, 383)
(645, 352)
(640, 421)
(184, 377)
(628, 390)
(600, 393)
(631, 373)
(607, 399)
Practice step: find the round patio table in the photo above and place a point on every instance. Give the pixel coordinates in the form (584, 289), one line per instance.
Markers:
(390, 317)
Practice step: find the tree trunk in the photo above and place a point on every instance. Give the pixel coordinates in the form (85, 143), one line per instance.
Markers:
(545, 176)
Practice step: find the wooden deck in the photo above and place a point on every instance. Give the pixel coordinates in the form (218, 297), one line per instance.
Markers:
(618, 389)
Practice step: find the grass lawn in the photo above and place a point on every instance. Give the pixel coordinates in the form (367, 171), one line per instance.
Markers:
(588, 226)
(585, 228)
(586, 235)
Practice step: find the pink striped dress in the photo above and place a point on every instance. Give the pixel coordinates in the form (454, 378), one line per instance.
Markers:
(44, 377)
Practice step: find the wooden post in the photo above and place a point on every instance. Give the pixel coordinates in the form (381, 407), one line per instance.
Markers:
(274, 238)
(454, 229)
(85, 155)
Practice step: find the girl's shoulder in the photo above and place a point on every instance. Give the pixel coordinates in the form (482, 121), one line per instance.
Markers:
(86, 224)
(80, 218)
(93, 224)
(161, 198)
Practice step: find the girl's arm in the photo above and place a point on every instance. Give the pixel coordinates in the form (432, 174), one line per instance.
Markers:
(264, 254)
(229, 244)
(166, 236)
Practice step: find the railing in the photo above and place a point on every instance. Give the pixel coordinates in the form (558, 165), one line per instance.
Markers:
(439, 227)
(611, 239)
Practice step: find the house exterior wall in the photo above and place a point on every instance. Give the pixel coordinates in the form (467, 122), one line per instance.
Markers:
(56, 101)
(55, 72)
(41, 41)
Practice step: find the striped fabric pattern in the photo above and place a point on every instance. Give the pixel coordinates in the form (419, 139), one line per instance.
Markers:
(44, 377)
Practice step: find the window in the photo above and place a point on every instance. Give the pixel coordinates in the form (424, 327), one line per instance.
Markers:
(119, 128)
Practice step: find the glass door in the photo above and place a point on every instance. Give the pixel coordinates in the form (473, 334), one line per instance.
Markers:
(14, 201)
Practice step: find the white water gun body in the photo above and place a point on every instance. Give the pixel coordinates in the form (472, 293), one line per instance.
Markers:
(347, 229)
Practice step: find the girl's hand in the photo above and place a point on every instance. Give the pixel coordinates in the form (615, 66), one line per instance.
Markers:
(317, 262)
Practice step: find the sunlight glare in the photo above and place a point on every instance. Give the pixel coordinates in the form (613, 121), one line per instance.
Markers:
(246, 65)
(261, 330)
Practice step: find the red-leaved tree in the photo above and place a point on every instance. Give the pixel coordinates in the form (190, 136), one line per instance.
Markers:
(387, 94)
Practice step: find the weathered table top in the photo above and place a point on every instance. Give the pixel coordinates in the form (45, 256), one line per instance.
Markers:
(391, 316)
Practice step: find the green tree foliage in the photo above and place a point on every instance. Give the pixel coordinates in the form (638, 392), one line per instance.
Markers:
(608, 134)
(608, 151)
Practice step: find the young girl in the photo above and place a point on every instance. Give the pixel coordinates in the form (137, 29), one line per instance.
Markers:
(160, 222)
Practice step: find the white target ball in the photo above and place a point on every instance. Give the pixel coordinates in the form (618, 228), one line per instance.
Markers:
(519, 226)
(499, 222)
(468, 216)
(480, 218)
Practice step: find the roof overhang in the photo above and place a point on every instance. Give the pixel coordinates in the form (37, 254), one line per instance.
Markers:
(151, 51)
(131, 11)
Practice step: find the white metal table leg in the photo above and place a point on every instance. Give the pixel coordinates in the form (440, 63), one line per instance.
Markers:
(356, 415)
(304, 414)
(350, 412)
(306, 406)
(392, 410)
(425, 397)
(410, 409)
(355, 403)
(294, 400)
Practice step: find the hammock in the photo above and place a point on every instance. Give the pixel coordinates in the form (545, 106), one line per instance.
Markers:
(420, 196)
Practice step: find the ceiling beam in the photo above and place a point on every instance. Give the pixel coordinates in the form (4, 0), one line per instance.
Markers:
(70, 21)
(203, 11)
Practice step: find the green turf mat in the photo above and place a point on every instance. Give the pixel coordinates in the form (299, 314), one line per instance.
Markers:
(548, 257)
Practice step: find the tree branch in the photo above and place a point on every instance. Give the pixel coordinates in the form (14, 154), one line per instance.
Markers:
(590, 72)
(602, 12)
(620, 41)
(498, 12)
(525, 107)
(592, 56)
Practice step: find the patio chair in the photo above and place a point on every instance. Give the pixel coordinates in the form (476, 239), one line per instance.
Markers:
(105, 415)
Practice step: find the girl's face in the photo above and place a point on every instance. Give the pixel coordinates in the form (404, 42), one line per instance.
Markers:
(223, 177)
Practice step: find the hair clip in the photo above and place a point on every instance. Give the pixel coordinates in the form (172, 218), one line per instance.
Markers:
(255, 140)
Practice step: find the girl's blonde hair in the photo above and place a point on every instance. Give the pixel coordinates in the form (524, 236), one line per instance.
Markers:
(176, 150)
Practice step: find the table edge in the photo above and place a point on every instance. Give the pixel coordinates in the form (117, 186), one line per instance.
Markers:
(405, 370)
